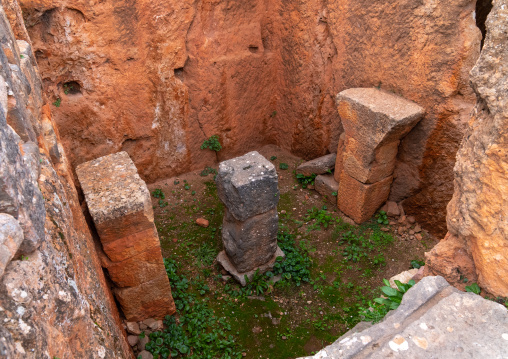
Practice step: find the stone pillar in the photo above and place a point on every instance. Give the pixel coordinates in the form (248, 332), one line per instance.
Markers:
(374, 122)
(120, 205)
(248, 186)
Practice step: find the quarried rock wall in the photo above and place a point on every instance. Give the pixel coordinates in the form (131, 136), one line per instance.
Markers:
(477, 242)
(156, 78)
(54, 299)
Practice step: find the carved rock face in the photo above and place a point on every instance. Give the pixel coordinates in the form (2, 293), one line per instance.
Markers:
(478, 212)
(157, 78)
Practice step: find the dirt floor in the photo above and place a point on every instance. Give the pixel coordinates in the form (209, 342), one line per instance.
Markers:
(285, 320)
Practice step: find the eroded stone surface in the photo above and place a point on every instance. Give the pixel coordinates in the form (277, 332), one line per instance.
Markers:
(54, 299)
(433, 320)
(478, 213)
(327, 187)
(120, 205)
(11, 236)
(374, 117)
(224, 261)
(250, 243)
(360, 201)
(318, 166)
(248, 185)
(254, 73)
(374, 122)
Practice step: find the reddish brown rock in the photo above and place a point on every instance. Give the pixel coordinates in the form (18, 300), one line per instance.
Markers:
(478, 212)
(374, 122)
(327, 187)
(339, 159)
(56, 303)
(360, 201)
(149, 298)
(451, 260)
(254, 72)
(202, 222)
(120, 206)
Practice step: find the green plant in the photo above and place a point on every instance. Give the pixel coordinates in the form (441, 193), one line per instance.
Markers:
(273, 114)
(207, 171)
(473, 288)
(212, 143)
(273, 158)
(198, 332)
(283, 166)
(205, 253)
(67, 88)
(187, 187)
(381, 306)
(24, 258)
(416, 264)
(157, 193)
(306, 180)
(58, 102)
(21, 56)
(382, 218)
(334, 194)
(296, 265)
(321, 216)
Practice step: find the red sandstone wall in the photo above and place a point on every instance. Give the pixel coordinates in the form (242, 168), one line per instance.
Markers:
(157, 78)
(54, 298)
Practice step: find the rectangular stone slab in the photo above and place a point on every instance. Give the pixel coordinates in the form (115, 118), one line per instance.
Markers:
(373, 116)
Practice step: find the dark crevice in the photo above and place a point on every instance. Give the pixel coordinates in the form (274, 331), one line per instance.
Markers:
(72, 88)
(483, 8)
(179, 73)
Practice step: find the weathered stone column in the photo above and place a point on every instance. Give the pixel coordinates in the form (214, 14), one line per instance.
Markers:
(374, 122)
(248, 186)
(119, 203)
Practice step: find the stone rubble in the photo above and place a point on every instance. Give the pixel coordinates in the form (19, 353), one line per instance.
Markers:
(318, 166)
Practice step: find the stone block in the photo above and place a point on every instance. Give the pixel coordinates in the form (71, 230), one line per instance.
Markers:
(373, 116)
(121, 208)
(131, 245)
(250, 243)
(148, 300)
(434, 320)
(248, 185)
(114, 190)
(225, 262)
(11, 237)
(370, 166)
(326, 186)
(318, 166)
(136, 270)
(338, 159)
(360, 201)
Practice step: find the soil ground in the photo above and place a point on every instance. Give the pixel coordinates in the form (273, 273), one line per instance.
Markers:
(286, 320)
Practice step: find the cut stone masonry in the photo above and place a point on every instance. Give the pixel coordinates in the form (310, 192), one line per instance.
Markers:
(374, 123)
(248, 186)
(120, 205)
